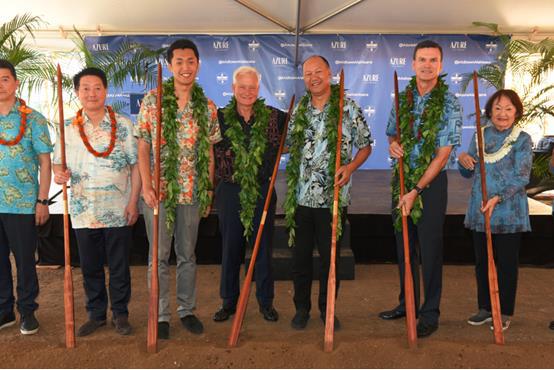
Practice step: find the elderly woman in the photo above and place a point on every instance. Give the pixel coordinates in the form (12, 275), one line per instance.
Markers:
(508, 158)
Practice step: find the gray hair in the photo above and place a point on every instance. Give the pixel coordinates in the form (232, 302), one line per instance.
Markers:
(246, 70)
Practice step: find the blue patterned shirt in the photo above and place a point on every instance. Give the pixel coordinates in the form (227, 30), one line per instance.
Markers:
(315, 184)
(507, 178)
(100, 187)
(450, 132)
(19, 163)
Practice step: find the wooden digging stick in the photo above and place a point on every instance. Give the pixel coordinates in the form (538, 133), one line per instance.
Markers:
(493, 280)
(408, 277)
(67, 277)
(332, 279)
(152, 330)
(245, 291)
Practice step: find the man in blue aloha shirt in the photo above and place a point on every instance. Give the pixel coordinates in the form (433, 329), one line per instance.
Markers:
(314, 189)
(431, 186)
(24, 152)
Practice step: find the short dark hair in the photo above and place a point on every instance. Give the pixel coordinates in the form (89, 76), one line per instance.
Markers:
(182, 44)
(90, 71)
(317, 56)
(6, 64)
(510, 94)
(427, 44)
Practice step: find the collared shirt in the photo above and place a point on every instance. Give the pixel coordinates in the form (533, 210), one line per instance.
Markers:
(100, 186)
(187, 135)
(450, 131)
(315, 183)
(19, 163)
(506, 178)
(224, 156)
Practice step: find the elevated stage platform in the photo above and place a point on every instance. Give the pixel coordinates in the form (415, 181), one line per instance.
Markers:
(371, 237)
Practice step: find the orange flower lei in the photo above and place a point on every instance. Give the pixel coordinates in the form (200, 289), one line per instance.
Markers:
(22, 125)
(80, 123)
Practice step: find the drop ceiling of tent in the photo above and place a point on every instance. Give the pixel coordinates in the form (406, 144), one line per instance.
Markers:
(531, 17)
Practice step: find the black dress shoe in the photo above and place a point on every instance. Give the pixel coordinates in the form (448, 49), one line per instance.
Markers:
(223, 314)
(425, 329)
(300, 320)
(269, 313)
(392, 314)
(551, 325)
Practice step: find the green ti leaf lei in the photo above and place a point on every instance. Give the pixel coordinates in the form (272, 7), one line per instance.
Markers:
(297, 144)
(171, 149)
(427, 131)
(248, 158)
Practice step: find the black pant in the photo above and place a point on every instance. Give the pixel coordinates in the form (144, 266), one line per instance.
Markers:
(313, 227)
(429, 233)
(96, 248)
(18, 234)
(506, 257)
(233, 245)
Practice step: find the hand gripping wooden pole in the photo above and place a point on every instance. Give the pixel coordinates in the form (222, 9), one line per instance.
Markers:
(493, 280)
(67, 277)
(152, 330)
(408, 275)
(332, 279)
(245, 291)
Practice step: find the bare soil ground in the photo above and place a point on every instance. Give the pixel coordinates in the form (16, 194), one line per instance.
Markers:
(365, 341)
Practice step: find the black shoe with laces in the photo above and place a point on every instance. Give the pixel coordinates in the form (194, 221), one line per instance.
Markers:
(269, 313)
(7, 319)
(90, 327)
(122, 325)
(29, 324)
(223, 314)
(192, 324)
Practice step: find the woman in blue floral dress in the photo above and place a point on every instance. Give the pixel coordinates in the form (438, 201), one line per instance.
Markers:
(508, 157)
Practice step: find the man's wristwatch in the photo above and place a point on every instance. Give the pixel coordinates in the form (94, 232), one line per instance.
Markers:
(418, 189)
(44, 202)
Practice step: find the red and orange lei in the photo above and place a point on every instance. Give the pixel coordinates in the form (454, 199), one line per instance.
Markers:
(79, 121)
(24, 110)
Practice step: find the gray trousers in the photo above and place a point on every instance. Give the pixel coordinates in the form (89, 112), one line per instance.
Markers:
(185, 231)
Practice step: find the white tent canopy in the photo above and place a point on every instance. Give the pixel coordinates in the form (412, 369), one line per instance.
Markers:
(531, 18)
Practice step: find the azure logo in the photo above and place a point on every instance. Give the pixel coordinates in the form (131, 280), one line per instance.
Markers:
(221, 45)
(100, 47)
(395, 61)
(280, 61)
(280, 94)
(222, 78)
(338, 44)
(458, 45)
(372, 78)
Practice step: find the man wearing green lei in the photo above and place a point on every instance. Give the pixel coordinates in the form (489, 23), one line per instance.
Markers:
(189, 130)
(245, 159)
(312, 143)
(430, 126)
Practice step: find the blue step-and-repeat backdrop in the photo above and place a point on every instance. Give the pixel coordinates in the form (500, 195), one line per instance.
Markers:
(369, 62)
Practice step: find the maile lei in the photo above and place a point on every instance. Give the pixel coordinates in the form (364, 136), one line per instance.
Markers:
(79, 121)
(427, 131)
(22, 125)
(171, 150)
(248, 157)
(297, 133)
